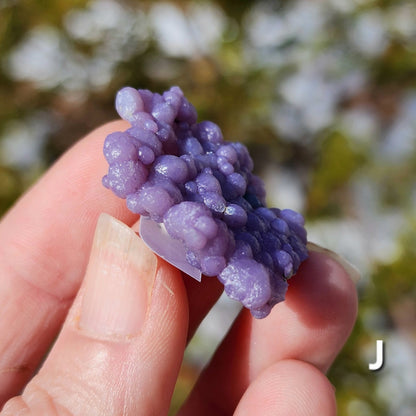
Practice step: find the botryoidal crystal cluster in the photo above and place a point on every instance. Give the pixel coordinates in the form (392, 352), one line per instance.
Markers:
(182, 174)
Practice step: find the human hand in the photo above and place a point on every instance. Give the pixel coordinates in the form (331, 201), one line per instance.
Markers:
(128, 315)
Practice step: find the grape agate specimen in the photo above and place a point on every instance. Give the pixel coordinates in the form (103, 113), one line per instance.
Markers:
(183, 175)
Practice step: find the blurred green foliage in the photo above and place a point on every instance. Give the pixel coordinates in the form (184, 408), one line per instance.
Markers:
(337, 163)
(324, 91)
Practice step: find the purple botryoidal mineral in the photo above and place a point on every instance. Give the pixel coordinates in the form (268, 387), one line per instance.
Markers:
(183, 174)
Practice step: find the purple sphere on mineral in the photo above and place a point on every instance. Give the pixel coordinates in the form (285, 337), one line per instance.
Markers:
(183, 175)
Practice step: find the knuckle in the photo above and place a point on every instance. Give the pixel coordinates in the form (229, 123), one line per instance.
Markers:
(35, 401)
(15, 406)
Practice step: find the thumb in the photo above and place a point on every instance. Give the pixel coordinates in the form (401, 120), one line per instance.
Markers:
(122, 344)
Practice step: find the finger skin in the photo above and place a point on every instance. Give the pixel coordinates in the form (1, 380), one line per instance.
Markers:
(46, 236)
(201, 297)
(87, 374)
(289, 388)
(45, 240)
(311, 325)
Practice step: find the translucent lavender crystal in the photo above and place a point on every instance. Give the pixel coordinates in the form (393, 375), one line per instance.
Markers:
(184, 176)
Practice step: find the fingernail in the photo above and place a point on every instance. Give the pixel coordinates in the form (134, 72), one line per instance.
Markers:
(118, 282)
(351, 270)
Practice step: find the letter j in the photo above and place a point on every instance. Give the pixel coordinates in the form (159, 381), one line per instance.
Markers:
(379, 356)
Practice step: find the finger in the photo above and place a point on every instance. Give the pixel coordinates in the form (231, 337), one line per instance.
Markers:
(201, 298)
(45, 240)
(311, 325)
(121, 347)
(289, 388)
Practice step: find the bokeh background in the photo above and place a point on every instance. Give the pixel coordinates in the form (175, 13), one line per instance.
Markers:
(322, 92)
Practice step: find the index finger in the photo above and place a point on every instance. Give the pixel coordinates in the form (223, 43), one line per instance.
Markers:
(45, 240)
(311, 326)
